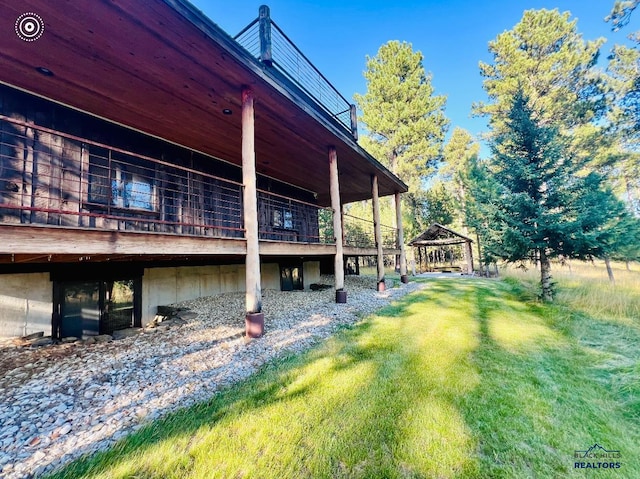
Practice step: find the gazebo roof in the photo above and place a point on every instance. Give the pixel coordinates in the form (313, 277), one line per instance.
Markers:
(438, 235)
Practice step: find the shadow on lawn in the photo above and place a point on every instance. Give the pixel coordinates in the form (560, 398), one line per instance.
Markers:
(432, 386)
(361, 392)
(548, 387)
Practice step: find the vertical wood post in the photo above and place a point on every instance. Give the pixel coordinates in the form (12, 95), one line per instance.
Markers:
(400, 240)
(253, 298)
(353, 116)
(264, 16)
(377, 230)
(334, 185)
(342, 224)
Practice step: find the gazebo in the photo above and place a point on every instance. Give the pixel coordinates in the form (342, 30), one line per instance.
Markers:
(441, 249)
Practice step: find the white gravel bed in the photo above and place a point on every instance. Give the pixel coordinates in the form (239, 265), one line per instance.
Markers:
(62, 401)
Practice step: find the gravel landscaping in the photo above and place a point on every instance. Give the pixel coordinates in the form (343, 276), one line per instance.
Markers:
(59, 402)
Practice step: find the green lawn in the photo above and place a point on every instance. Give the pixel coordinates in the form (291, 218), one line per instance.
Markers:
(465, 379)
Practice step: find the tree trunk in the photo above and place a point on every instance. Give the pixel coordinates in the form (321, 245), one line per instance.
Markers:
(545, 276)
(607, 263)
(479, 254)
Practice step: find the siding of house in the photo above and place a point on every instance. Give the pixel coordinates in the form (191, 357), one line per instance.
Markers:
(60, 167)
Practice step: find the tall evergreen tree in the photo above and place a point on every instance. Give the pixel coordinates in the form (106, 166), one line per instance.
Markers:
(541, 207)
(403, 117)
(546, 58)
(459, 153)
(623, 161)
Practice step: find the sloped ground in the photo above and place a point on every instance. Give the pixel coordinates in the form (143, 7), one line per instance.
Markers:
(62, 401)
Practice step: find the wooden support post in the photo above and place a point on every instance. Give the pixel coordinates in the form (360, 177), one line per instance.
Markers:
(354, 121)
(400, 240)
(264, 16)
(254, 318)
(377, 230)
(342, 224)
(334, 186)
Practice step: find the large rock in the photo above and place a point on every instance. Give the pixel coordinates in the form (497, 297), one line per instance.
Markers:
(103, 338)
(126, 333)
(45, 341)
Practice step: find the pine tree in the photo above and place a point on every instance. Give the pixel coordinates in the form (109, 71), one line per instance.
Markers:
(459, 153)
(541, 207)
(546, 58)
(404, 119)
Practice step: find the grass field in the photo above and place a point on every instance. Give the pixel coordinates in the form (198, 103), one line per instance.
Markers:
(468, 378)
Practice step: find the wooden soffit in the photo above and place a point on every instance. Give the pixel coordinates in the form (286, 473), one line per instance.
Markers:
(162, 67)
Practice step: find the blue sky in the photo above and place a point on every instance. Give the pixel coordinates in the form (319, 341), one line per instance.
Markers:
(451, 34)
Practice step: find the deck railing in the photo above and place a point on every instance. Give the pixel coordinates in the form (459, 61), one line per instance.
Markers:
(53, 178)
(360, 233)
(266, 41)
(285, 219)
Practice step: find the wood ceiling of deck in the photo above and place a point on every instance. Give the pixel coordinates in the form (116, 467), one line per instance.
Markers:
(162, 68)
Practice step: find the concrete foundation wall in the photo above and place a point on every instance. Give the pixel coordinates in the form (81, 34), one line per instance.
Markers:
(26, 300)
(270, 276)
(310, 273)
(26, 303)
(162, 286)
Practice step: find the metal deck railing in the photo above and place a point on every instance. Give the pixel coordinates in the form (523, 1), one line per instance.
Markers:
(53, 178)
(360, 233)
(266, 41)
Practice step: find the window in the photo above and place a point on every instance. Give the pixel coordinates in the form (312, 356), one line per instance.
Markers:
(90, 307)
(283, 219)
(291, 276)
(130, 190)
(121, 181)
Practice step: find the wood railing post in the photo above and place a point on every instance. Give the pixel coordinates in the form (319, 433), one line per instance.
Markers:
(264, 15)
(254, 318)
(354, 121)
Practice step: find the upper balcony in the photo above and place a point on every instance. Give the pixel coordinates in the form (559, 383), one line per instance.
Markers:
(266, 42)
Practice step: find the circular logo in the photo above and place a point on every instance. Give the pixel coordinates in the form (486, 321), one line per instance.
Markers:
(29, 26)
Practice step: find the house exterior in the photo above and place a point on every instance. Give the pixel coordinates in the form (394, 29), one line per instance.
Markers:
(147, 157)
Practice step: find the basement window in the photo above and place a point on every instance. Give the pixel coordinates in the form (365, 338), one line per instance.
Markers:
(88, 307)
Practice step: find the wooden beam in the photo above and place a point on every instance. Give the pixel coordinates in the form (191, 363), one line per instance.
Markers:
(52, 240)
(253, 297)
(377, 230)
(334, 184)
(400, 242)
